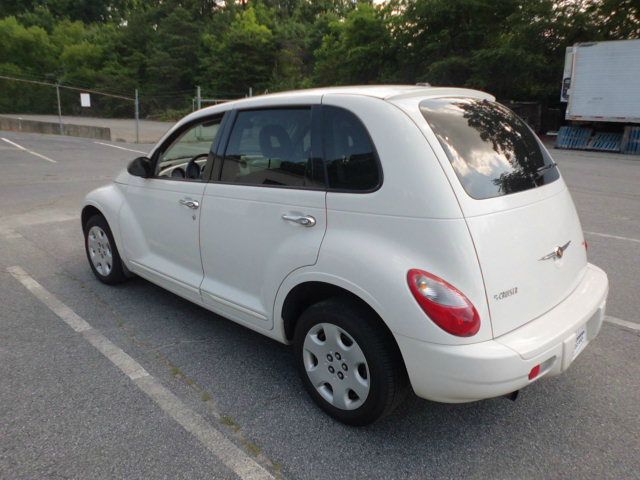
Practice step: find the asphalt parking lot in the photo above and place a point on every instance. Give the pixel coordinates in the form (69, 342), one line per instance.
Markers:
(66, 411)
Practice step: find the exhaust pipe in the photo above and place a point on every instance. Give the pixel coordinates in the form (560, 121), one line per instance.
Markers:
(512, 396)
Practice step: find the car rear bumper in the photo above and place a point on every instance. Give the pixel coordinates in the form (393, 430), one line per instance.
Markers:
(465, 373)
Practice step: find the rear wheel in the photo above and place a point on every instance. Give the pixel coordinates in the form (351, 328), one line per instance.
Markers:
(349, 365)
(102, 252)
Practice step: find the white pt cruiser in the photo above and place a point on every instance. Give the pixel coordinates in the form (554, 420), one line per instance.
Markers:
(396, 235)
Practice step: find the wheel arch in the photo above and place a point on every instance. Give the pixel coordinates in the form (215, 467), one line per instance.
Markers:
(88, 211)
(309, 292)
(106, 201)
(304, 287)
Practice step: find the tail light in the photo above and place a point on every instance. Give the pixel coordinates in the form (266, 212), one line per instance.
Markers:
(447, 306)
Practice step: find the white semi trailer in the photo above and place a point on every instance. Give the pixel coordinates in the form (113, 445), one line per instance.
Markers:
(601, 82)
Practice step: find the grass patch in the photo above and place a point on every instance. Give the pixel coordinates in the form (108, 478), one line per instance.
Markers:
(230, 422)
(277, 467)
(252, 447)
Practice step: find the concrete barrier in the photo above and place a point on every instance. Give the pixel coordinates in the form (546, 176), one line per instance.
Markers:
(36, 126)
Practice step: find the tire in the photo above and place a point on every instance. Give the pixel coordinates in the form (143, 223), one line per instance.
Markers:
(102, 252)
(368, 379)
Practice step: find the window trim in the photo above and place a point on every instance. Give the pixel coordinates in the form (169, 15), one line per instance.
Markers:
(216, 176)
(177, 133)
(373, 145)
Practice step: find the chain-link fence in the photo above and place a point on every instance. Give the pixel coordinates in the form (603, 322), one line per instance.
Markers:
(132, 116)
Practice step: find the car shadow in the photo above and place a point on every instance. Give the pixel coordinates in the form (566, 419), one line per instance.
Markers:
(254, 382)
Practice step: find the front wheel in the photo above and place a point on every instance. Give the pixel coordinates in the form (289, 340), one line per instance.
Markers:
(348, 363)
(102, 252)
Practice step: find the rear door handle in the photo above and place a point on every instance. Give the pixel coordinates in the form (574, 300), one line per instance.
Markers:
(193, 204)
(304, 220)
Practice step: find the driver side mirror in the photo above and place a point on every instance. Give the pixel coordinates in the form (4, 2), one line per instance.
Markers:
(141, 167)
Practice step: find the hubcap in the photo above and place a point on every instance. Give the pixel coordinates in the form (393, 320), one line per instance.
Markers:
(100, 250)
(336, 366)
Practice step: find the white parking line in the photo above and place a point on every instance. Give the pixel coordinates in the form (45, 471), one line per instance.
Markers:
(233, 457)
(9, 223)
(121, 148)
(29, 151)
(616, 237)
(9, 234)
(622, 323)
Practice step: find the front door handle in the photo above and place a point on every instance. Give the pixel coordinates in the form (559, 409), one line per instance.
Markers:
(304, 220)
(189, 203)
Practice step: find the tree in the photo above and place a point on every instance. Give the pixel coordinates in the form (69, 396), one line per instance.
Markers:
(174, 54)
(25, 53)
(242, 57)
(356, 50)
(290, 68)
(616, 19)
(511, 48)
(29, 49)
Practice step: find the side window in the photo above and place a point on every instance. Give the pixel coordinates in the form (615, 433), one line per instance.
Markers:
(349, 154)
(185, 158)
(272, 147)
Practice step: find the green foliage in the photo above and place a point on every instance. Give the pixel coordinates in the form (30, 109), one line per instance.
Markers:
(25, 52)
(355, 49)
(28, 48)
(615, 18)
(174, 52)
(511, 48)
(290, 70)
(241, 57)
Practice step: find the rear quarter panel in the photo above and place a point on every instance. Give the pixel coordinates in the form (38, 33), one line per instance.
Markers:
(375, 252)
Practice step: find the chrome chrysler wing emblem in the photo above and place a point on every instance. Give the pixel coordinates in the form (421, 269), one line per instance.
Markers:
(558, 252)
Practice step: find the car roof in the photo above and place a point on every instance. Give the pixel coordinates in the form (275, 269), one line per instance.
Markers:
(382, 92)
(377, 91)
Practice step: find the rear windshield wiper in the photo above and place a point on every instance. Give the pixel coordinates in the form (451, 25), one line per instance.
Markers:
(548, 166)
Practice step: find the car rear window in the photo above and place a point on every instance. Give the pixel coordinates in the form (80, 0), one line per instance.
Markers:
(492, 150)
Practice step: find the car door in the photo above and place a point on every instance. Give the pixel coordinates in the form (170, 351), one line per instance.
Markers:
(160, 218)
(264, 213)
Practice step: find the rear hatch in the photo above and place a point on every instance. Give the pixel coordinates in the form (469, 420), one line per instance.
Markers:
(519, 212)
